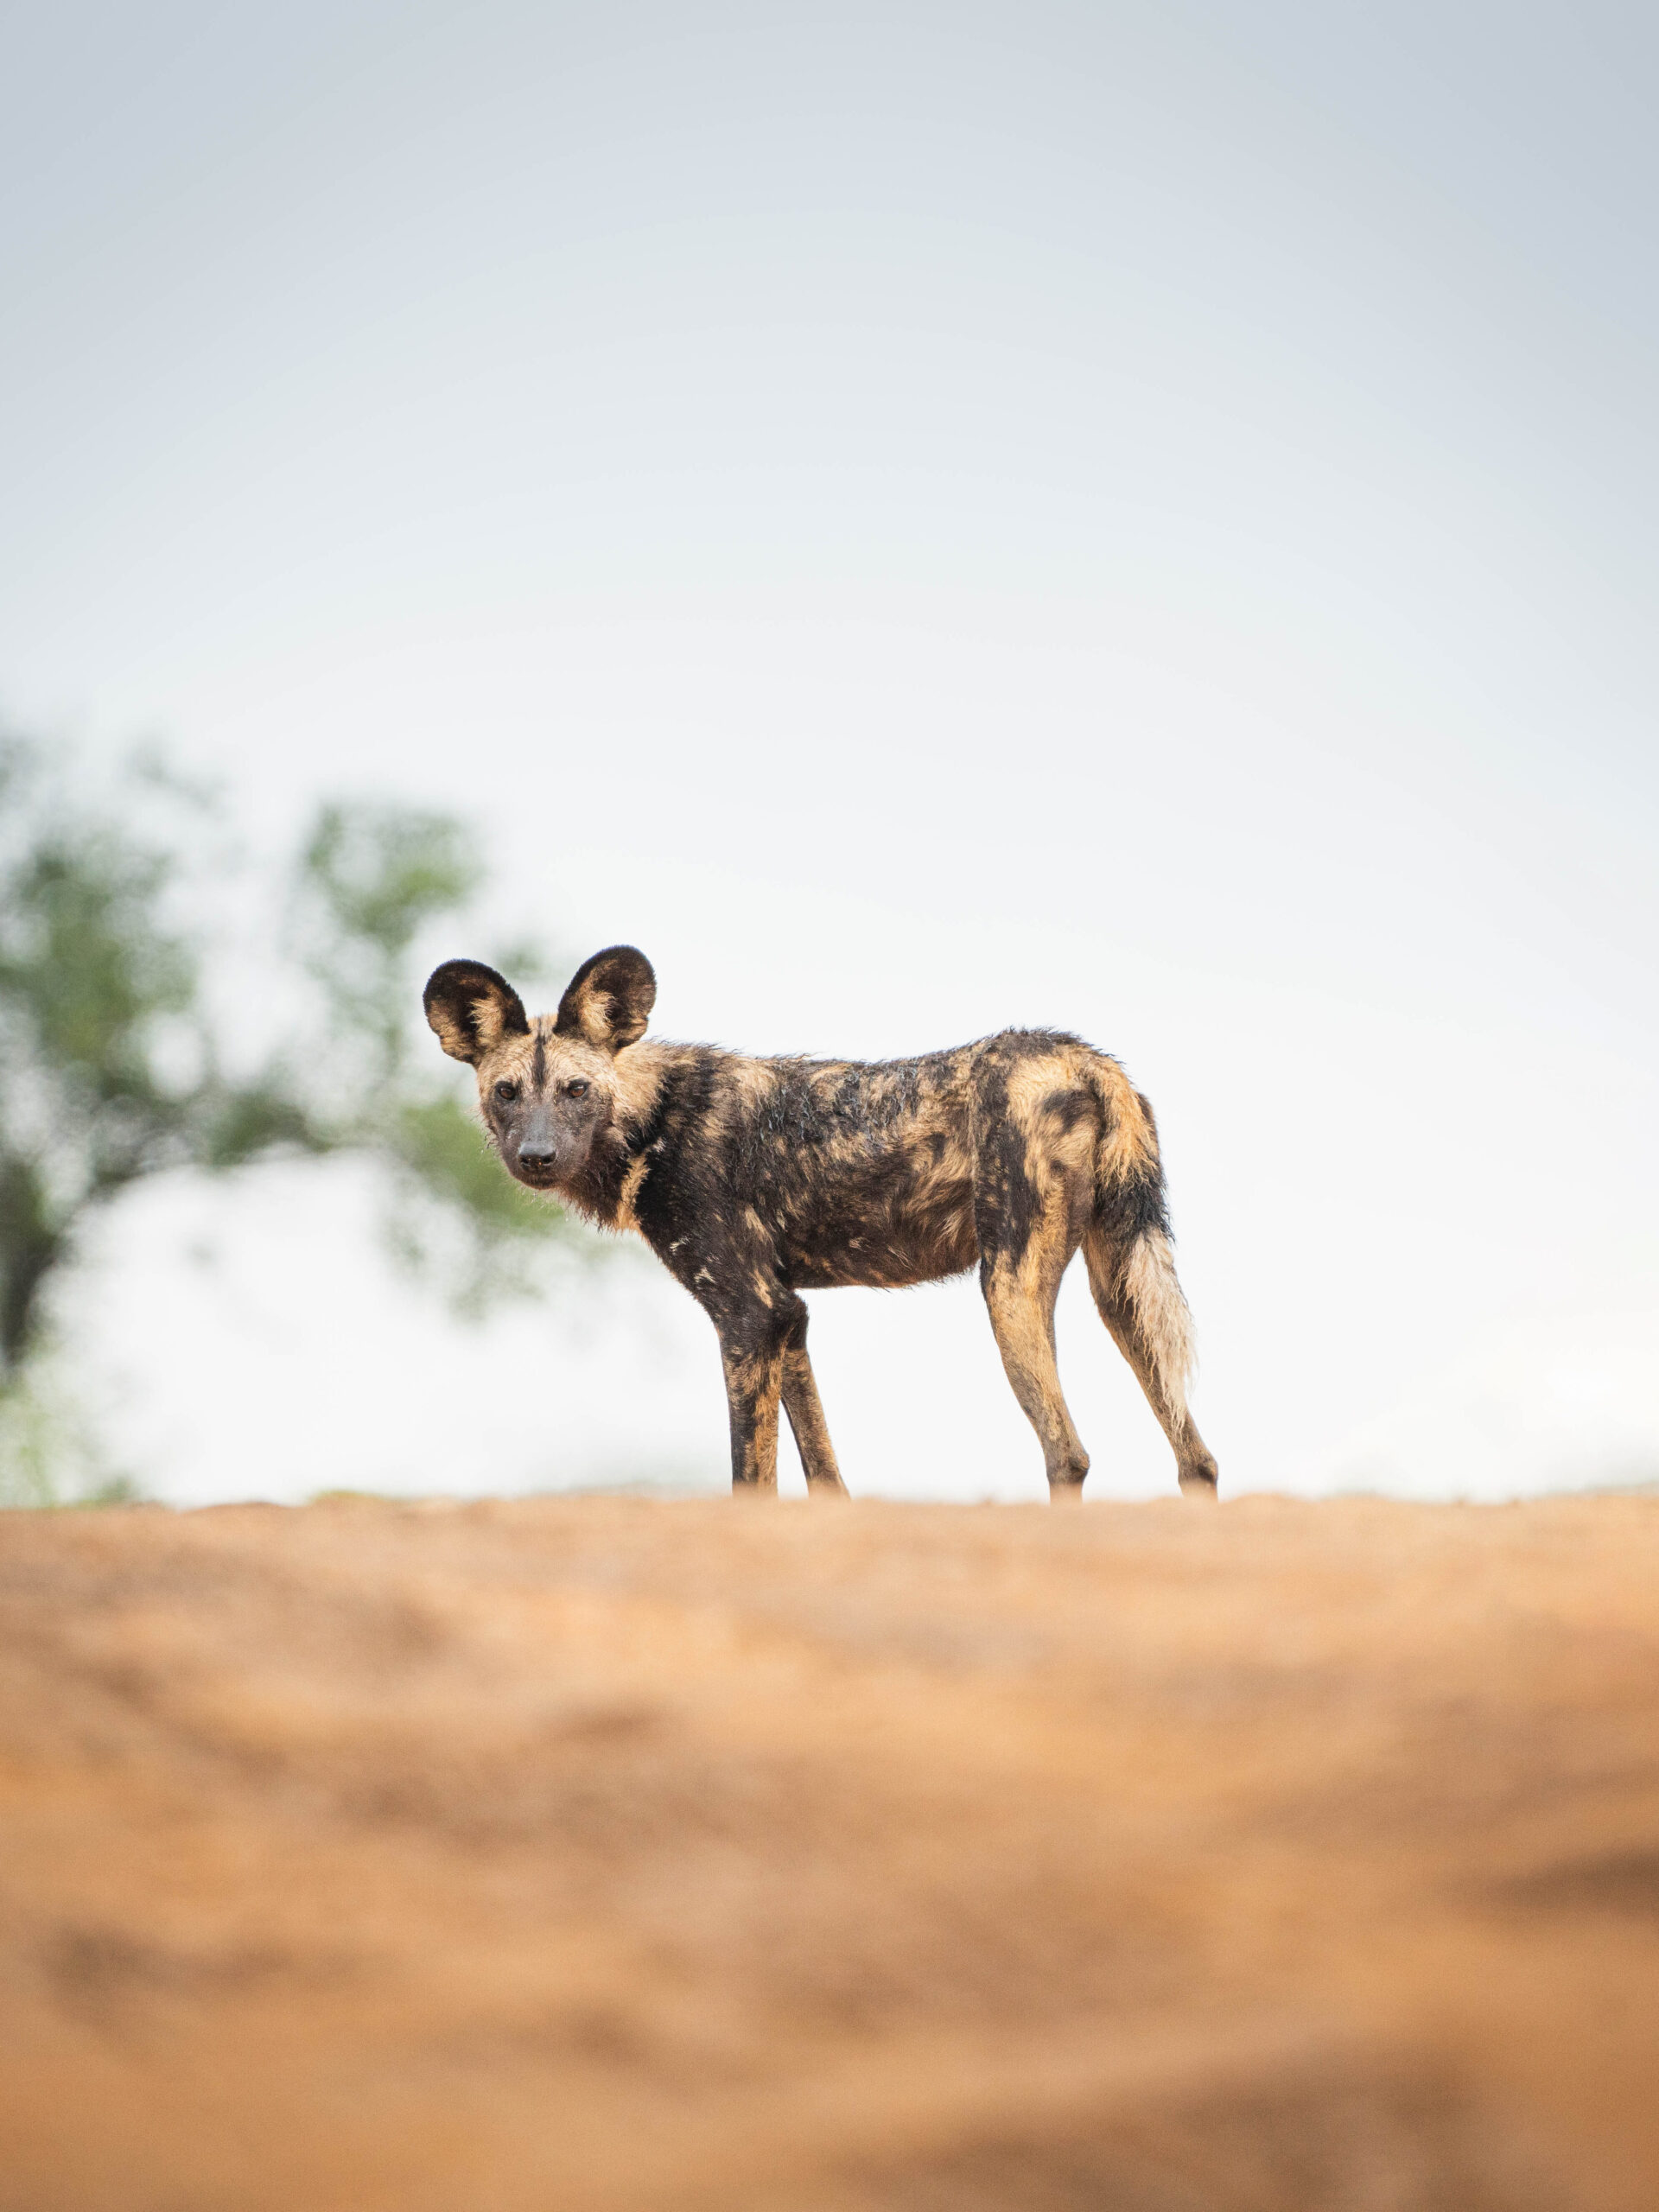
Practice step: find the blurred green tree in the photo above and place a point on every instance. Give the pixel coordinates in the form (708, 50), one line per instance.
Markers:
(114, 1065)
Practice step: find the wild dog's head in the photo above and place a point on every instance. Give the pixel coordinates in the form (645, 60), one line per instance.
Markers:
(547, 1087)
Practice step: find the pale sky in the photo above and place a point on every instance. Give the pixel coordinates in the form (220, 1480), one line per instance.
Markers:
(1140, 518)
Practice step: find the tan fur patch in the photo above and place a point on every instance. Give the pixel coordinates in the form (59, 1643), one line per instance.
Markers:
(1128, 1146)
(1162, 1322)
(636, 1077)
(508, 1061)
(631, 1182)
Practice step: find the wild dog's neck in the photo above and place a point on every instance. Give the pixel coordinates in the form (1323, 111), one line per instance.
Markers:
(604, 1189)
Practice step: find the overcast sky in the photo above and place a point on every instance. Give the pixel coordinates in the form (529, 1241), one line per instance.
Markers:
(923, 518)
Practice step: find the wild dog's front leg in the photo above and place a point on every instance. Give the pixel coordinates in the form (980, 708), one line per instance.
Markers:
(752, 1358)
(805, 1412)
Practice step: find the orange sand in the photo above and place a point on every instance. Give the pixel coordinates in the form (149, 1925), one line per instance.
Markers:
(595, 1853)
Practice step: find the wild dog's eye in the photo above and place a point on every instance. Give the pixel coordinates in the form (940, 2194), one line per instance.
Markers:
(506, 1092)
(576, 1090)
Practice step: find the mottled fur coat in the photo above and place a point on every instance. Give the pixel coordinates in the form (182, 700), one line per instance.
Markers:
(754, 1180)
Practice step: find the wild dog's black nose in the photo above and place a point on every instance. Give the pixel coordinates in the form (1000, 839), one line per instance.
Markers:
(536, 1155)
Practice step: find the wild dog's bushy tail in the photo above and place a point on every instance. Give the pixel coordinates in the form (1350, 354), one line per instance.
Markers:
(1127, 1247)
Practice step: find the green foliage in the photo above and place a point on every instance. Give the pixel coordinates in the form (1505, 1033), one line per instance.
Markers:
(369, 878)
(451, 1181)
(112, 1066)
(95, 985)
(49, 1451)
(438, 1141)
(31, 1448)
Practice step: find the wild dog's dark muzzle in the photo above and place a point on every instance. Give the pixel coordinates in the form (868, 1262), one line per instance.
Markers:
(539, 1153)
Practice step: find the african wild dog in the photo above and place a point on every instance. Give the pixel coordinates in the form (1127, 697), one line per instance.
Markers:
(754, 1180)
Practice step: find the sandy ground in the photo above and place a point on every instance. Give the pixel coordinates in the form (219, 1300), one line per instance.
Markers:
(606, 1854)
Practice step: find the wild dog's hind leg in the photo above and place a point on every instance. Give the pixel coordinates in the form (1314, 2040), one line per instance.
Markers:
(1020, 1286)
(801, 1403)
(1140, 1301)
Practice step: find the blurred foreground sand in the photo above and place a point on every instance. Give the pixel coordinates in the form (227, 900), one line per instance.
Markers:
(586, 1854)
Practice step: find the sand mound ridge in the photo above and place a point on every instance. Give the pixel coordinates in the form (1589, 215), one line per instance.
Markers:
(625, 1854)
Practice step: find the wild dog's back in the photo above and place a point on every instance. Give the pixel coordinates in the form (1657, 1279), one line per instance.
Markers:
(863, 1168)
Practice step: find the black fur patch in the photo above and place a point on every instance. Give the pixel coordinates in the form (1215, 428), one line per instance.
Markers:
(1006, 1203)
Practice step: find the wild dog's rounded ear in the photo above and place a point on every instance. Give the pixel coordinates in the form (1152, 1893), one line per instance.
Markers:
(609, 998)
(470, 1009)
